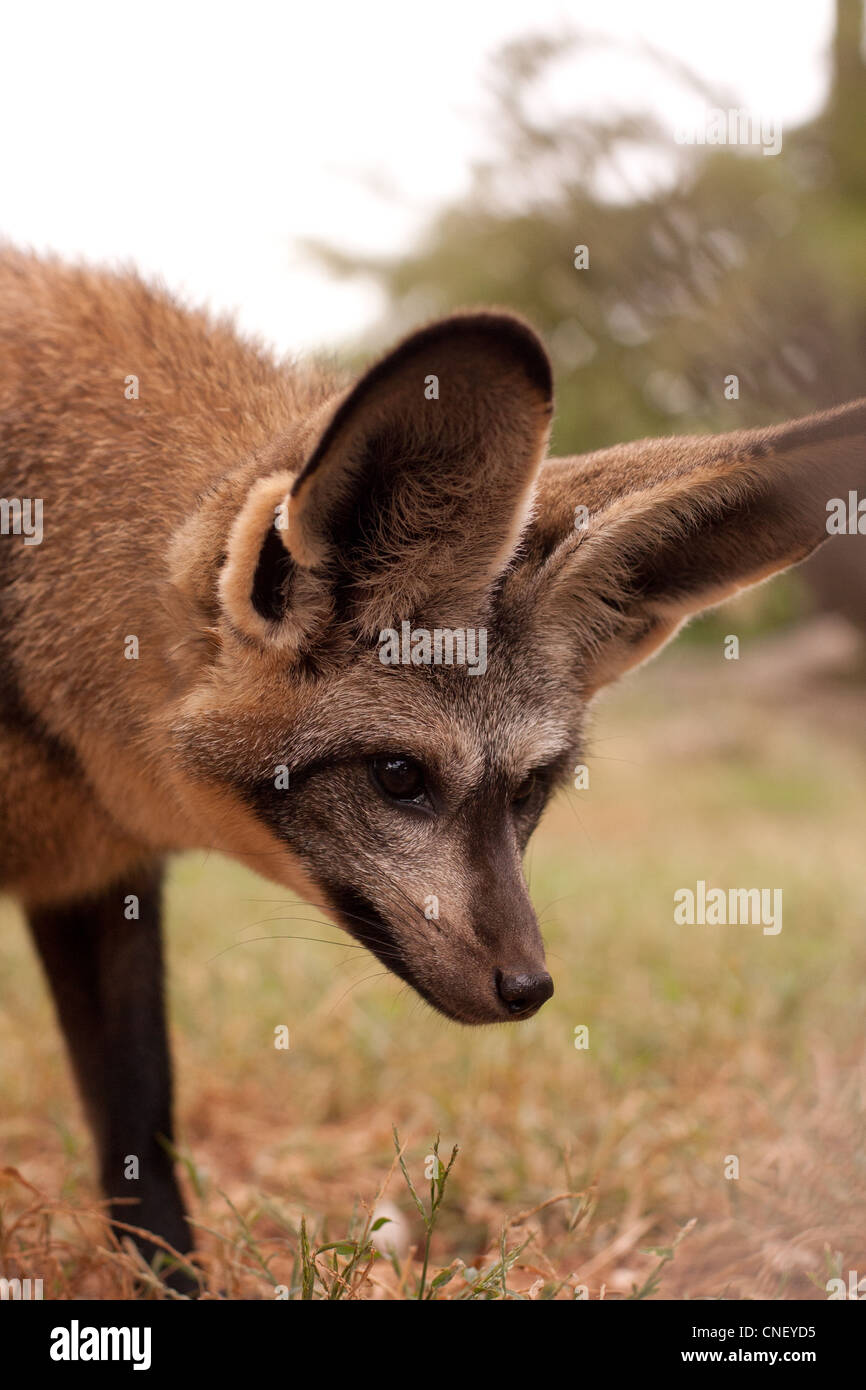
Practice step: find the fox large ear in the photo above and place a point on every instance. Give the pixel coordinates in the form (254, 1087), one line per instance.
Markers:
(418, 489)
(412, 497)
(630, 542)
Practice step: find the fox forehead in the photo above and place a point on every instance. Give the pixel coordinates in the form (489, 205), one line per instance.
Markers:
(465, 754)
(466, 736)
(470, 731)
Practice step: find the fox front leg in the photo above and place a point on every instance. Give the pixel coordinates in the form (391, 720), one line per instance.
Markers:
(103, 959)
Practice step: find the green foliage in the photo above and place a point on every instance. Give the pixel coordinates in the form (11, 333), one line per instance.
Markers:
(437, 1193)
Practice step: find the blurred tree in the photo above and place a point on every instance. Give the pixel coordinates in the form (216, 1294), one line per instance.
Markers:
(736, 263)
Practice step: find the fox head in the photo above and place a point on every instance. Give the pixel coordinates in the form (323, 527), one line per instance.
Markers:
(403, 611)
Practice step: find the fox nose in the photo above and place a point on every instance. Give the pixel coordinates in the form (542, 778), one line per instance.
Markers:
(521, 993)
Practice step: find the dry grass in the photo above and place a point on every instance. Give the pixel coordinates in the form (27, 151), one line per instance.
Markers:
(704, 1042)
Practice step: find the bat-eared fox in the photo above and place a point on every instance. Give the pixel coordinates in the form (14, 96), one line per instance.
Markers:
(345, 631)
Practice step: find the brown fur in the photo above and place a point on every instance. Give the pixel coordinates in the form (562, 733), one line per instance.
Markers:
(258, 644)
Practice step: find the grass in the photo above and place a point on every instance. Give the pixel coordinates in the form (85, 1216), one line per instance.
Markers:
(583, 1172)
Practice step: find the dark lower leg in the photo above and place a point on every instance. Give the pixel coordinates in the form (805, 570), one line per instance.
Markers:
(103, 958)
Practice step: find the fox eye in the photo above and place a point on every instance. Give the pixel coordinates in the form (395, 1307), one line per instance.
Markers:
(400, 778)
(525, 791)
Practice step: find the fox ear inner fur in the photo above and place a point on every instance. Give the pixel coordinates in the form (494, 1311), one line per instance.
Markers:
(263, 592)
(413, 495)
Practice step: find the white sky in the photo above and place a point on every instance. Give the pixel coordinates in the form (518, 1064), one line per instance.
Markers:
(202, 141)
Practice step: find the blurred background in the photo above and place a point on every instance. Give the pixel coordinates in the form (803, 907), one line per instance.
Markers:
(334, 175)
